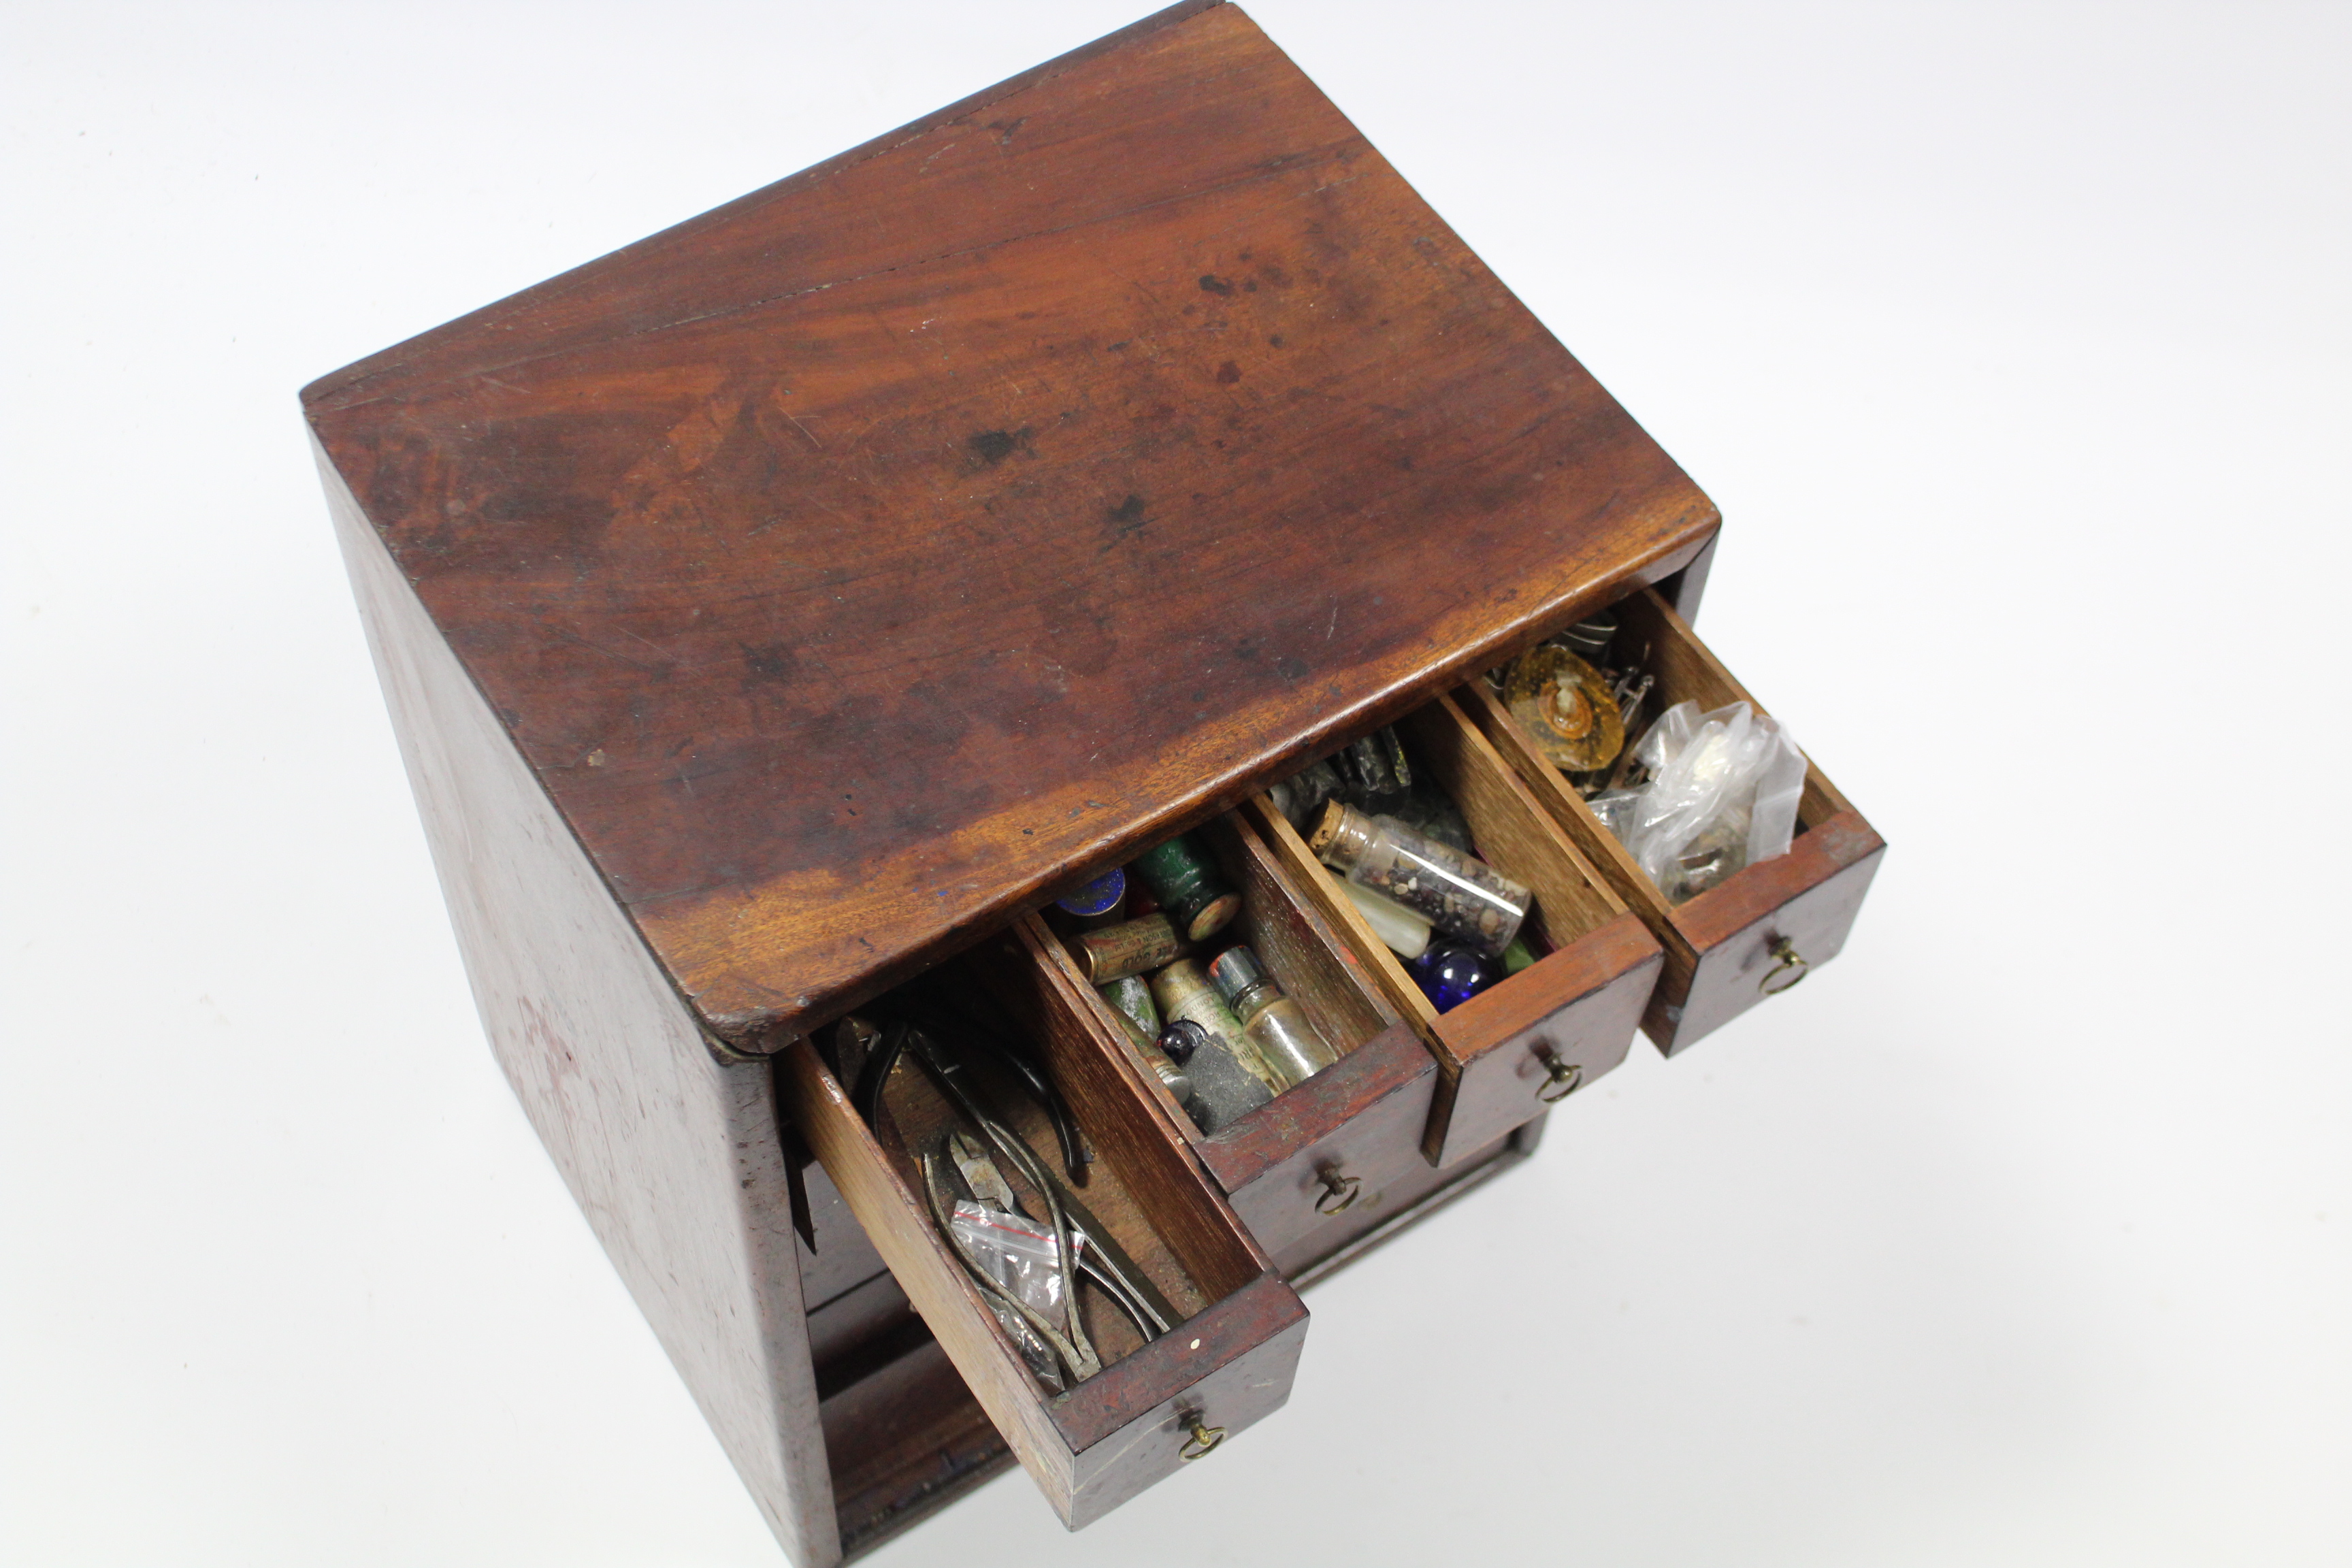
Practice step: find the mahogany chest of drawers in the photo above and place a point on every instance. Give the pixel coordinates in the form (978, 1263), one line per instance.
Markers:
(795, 601)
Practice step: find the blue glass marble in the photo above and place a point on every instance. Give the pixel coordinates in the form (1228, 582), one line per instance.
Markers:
(1450, 976)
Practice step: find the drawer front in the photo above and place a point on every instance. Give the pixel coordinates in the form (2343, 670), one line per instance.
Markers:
(1769, 925)
(1362, 1118)
(1313, 1174)
(1507, 1054)
(1230, 1358)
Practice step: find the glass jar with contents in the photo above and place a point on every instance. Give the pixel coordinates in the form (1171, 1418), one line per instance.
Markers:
(1465, 899)
(1286, 1038)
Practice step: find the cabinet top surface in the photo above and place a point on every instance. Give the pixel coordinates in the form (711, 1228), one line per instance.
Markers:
(857, 562)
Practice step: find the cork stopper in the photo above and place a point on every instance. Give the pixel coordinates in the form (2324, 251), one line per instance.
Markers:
(1341, 835)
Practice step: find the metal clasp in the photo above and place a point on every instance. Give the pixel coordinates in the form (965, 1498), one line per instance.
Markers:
(1560, 1079)
(1339, 1192)
(1792, 964)
(1203, 1439)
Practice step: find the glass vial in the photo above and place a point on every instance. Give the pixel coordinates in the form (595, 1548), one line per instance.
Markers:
(1465, 899)
(1275, 1024)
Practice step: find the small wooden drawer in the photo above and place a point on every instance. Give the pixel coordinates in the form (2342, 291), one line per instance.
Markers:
(1766, 926)
(1229, 1361)
(1313, 1169)
(1506, 1055)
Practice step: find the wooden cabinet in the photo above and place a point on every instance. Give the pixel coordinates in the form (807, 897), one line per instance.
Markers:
(778, 612)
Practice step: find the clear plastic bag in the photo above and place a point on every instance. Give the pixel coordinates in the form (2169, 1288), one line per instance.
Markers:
(1722, 794)
(1023, 1256)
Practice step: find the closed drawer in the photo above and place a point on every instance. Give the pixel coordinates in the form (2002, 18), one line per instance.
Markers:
(1766, 926)
(1313, 1169)
(1237, 1326)
(1508, 1053)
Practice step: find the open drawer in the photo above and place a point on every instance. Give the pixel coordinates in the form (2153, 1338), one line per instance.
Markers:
(1155, 1403)
(1536, 1038)
(1339, 1154)
(1764, 927)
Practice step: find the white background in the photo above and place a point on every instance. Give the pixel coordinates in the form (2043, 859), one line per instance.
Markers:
(2012, 342)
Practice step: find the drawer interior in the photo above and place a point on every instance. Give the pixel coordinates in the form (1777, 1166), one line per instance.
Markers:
(1359, 1122)
(1802, 901)
(1563, 1019)
(1235, 1328)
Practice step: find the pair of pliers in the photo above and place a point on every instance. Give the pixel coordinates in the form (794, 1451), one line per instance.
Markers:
(950, 1075)
(918, 1005)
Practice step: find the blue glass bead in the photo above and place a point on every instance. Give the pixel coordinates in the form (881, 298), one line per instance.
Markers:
(1450, 976)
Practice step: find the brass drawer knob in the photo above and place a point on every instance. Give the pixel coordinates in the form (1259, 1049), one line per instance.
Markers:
(1792, 964)
(1339, 1192)
(1561, 1080)
(1202, 1441)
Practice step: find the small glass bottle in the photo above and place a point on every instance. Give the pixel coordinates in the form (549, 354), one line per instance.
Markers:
(1466, 899)
(1275, 1024)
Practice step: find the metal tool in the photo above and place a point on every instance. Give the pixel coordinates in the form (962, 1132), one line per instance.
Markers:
(1077, 1241)
(990, 1189)
(1073, 1349)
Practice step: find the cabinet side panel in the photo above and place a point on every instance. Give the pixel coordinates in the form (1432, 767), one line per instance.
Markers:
(675, 1159)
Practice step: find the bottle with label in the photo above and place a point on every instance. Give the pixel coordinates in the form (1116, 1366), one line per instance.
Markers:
(1131, 947)
(1285, 1038)
(1184, 992)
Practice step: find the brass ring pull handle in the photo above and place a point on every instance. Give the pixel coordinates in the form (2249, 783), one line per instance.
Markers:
(1339, 1192)
(1202, 1442)
(1792, 964)
(1560, 1079)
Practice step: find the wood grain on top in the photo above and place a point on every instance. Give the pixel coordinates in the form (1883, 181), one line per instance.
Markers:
(856, 562)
